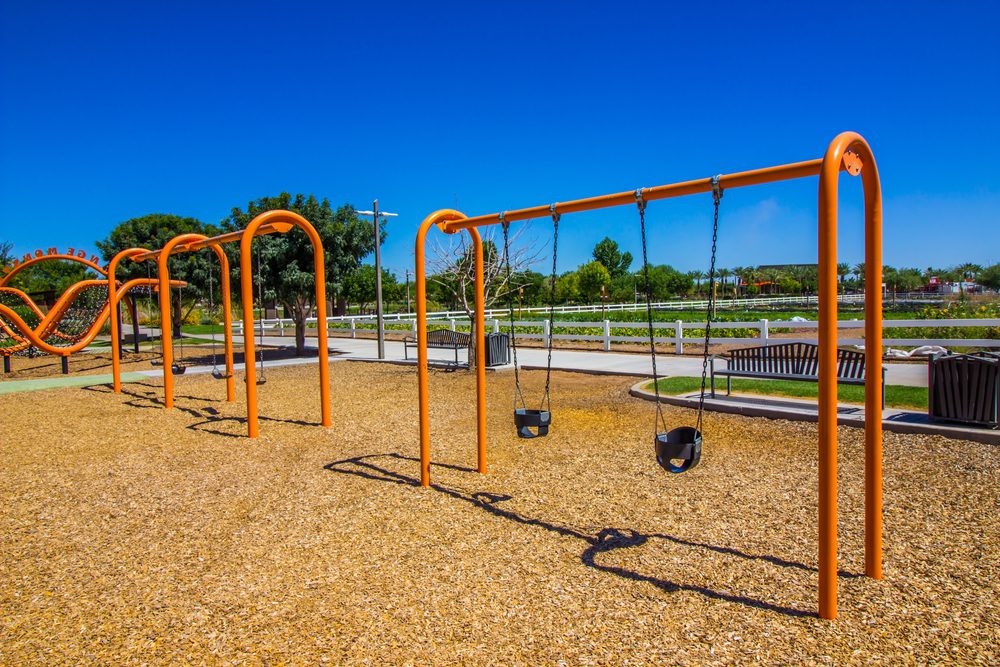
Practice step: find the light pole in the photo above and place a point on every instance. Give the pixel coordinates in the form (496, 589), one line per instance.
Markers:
(375, 213)
(407, 290)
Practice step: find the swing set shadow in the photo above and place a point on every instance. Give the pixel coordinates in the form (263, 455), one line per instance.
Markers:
(208, 414)
(604, 541)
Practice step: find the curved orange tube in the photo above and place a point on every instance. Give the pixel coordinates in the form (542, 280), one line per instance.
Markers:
(42, 258)
(35, 339)
(848, 146)
(441, 219)
(166, 324)
(116, 362)
(277, 218)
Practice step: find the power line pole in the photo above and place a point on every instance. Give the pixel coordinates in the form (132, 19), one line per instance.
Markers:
(375, 213)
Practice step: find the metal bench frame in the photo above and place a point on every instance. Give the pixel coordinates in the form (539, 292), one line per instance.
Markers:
(442, 339)
(789, 361)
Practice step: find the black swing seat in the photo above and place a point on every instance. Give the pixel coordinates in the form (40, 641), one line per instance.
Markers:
(680, 444)
(525, 420)
(177, 369)
(219, 375)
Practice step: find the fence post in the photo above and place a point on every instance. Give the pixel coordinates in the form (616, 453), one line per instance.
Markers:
(763, 332)
(451, 324)
(281, 328)
(607, 335)
(413, 326)
(678, 337)
(496, 325)
(354, 333)
(546, 333)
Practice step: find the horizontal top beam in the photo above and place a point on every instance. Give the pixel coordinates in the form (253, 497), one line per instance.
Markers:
(783, 172)
(280, 227)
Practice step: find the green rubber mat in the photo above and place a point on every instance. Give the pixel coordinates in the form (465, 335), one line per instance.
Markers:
(17, 386)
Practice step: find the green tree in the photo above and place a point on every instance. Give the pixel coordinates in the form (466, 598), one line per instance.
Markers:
(286, 260)
(568, 287)
(664, 282)
(55, 276)
(359, 286)
(6, 255)
(591, 277)
(616, 262)
(154, 231)
(990, 277)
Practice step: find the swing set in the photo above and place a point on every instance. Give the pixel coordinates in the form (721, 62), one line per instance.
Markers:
(270, 222)
(679, 449)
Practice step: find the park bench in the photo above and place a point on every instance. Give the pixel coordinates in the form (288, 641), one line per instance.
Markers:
(789, 361)
(442, 339)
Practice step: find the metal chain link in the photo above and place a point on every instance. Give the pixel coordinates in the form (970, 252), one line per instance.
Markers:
(641, 204)
(510, 307)
(263, 311)
(546, 400)
(716, 199)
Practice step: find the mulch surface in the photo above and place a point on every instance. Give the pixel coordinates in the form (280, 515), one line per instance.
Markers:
(134, 535)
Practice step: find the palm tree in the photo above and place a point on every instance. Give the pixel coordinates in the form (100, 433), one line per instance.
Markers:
(967, 271)
(859, 273)
(724, 275)
(843, 270)
(697, 277)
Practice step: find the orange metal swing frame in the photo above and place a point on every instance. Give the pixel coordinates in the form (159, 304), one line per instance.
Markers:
(847, 152)
(270, 222)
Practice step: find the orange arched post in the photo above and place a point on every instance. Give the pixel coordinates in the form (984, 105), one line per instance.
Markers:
(116, 362)
(480, 352)
(166, 317)
(183, 243)
(278, 219)
(439, 219)
(848, 151)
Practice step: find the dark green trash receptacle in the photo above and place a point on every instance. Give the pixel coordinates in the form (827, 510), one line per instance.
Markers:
(964, 389)
(497, 349)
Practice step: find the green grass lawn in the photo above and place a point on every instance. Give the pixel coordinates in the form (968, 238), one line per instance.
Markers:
(896, 396)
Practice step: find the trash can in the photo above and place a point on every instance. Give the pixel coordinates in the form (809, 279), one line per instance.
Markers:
(964, 388)
(497, 349)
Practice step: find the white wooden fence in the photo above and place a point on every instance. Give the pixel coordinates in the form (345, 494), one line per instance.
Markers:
(604, 330)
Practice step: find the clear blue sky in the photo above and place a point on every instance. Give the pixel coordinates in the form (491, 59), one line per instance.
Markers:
(113, 110)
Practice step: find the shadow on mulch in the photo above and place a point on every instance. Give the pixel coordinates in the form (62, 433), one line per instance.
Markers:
(151, 399)
(606, 540)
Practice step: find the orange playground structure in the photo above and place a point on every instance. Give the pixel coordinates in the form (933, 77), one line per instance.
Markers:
(847, 152)
(271, 222)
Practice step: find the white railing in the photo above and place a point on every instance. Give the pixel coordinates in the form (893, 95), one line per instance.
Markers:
(603, 330)
(677, 304)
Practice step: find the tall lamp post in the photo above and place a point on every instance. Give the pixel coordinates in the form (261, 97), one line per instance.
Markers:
(375, 213)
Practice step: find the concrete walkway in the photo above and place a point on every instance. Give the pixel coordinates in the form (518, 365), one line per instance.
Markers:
(610, 363)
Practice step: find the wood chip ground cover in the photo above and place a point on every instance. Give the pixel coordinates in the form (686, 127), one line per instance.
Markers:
(134, 535)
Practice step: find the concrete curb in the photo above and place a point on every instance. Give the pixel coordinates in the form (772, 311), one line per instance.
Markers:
(897, 421)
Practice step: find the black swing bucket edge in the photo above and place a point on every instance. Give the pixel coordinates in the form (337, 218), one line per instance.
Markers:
(177, 369)
(525, 420)
(679, 444)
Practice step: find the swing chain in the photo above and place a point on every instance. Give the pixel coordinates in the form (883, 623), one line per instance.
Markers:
(510, 307)
(640, 202)
(716, 200)
(547, 401)
(260, 298)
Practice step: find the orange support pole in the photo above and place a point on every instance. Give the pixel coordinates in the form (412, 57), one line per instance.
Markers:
(166, 317)
(440, 219)
(116, 363)
(850, 152)
(281, 221)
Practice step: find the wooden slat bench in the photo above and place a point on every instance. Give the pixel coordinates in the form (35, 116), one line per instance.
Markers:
(442, 339)
(789, 361)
